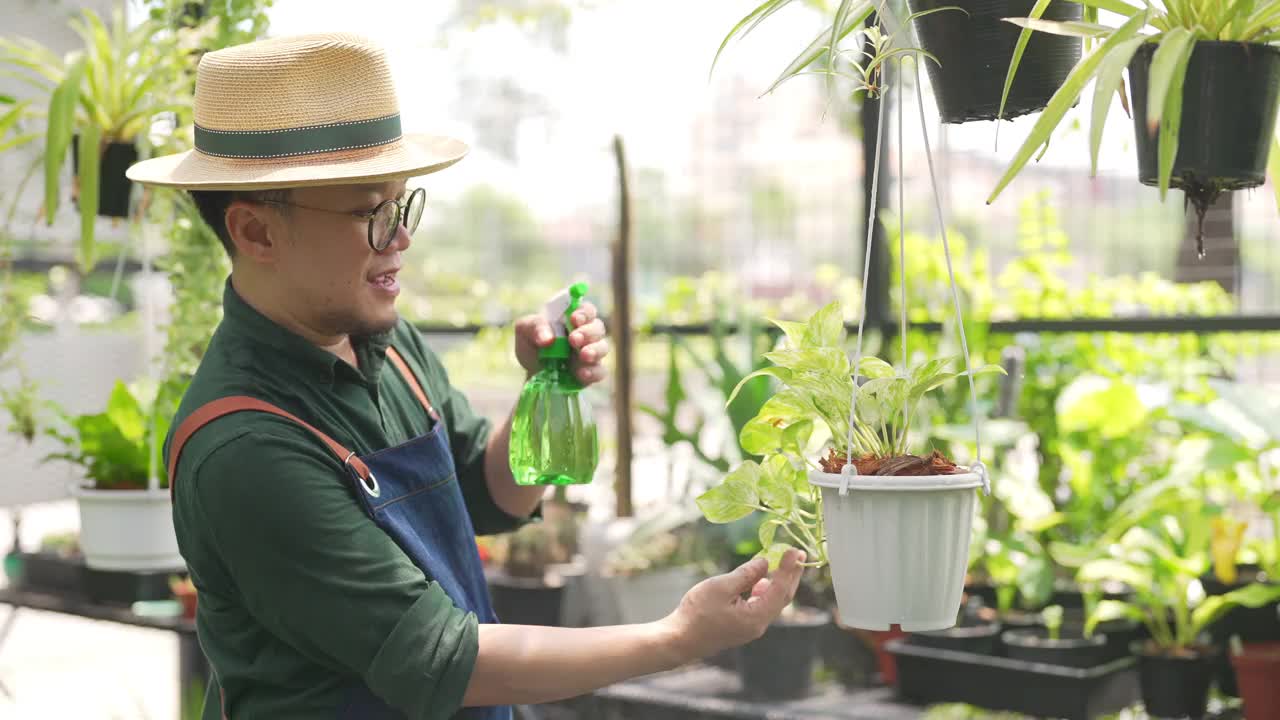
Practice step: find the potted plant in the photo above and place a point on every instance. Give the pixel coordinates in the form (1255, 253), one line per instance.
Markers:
(975, 45)
(530, 568)
(779, 665)
(125, 510)
(1204, 85)
(1162, 561)
(650, 571)
(101, 102)
(864, 521)
(1049, 645)
(1257, 667)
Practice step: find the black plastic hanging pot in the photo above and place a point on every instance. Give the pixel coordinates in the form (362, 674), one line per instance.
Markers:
(1175, 686)
(113, 187)
(1229, 100)
(975, 50)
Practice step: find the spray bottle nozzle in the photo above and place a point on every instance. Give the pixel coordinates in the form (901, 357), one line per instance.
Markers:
(558, 310)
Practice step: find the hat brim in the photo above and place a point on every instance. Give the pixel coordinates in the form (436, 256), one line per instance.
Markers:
(412, 155)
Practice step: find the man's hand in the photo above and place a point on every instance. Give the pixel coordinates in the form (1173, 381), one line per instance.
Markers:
(586, 337)
(713, 615)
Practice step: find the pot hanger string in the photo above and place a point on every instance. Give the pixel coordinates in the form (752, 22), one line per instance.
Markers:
(850, 468)
(978, 466)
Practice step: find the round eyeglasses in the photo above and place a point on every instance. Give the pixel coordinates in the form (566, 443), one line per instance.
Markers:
(383, 219)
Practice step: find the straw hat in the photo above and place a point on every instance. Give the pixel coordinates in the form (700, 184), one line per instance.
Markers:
(297, 111)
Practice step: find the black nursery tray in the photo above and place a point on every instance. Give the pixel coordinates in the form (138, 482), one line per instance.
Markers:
(933, 675)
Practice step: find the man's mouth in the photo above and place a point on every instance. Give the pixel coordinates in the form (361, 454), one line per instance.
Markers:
(386, 281)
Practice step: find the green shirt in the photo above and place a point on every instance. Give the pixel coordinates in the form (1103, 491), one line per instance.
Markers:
(301, 594)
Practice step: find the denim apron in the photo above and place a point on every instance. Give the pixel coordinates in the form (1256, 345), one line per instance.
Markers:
(411, 491)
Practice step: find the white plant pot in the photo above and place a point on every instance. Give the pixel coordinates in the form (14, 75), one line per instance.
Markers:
(898, 547)
(127, 530)
(646, 597)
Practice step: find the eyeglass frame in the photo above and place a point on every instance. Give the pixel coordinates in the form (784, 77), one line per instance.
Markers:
(402, 214)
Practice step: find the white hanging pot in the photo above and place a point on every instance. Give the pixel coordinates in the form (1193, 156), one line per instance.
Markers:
(127, 530)
(898, 546)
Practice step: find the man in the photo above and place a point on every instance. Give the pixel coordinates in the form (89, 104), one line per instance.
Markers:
(328, 482)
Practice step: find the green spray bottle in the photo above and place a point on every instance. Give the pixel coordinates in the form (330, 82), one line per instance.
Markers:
(553, 435)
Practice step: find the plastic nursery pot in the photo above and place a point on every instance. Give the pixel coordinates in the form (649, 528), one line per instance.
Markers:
(779, 665)
(970, 635)
(1251, 625)
(1175, 685)
(975, 50)
(898, 546)
(885, 660)
(1229, 100)
(1258, 678)
(526, 600)
(1070, 649)
(113, 186)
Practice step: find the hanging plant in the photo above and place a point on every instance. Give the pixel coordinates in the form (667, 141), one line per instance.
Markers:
(973, 45)
(1204, 87)
(101, 102)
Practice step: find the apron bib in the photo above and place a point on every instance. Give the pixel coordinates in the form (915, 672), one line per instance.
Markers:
(411, 491)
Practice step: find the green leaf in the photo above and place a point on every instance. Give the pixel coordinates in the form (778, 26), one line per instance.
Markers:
(61, 126)
(1035, 581)
(1107, 85)
(90, 156)
(776, 490)
(1068, 28)
(753, 18)
(1037, 11)
(1111, 569)
(826, 327)
(782, 374)
(1044, 522)
(1111, 408)
(795, 437)
(125, 413)
(774, 554)
(768, 529)
(1215, 606)
(735, 497)
(874, 367)
(1164, 97)
(819, 45)
(795, 331)
(1109, 610)
(1066, 95)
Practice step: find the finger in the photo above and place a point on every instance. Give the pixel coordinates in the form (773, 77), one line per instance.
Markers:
(783, 584)
(585, 313)
(761, 587)
(592, 374)
(535, 329)
(587, 334)
(594, 353)
(744, 577)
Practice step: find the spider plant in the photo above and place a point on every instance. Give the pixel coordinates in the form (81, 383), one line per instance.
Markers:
(108, 91)
(864, 65)
(1174, 28)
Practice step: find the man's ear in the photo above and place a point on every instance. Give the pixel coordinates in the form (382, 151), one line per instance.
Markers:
(253, 232)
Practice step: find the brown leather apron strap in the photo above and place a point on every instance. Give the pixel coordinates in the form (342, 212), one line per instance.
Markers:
(239, 403)
(397, 360)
